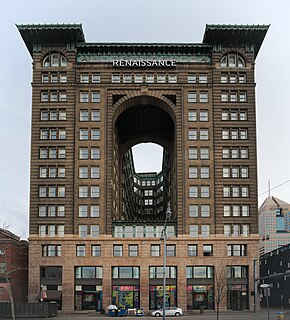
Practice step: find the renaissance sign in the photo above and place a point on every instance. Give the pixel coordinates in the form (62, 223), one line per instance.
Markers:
(144, 63)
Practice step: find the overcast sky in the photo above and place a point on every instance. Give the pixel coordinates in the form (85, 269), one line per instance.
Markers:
(141, 21)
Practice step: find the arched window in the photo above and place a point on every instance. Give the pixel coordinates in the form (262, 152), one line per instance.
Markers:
(54, 59)
(232, 60)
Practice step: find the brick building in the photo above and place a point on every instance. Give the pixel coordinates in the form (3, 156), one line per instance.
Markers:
(95, 224)
(13, 267)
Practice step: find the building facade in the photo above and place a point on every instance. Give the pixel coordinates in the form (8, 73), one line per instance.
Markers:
(273, 224)
(13, 267)
(96, 224)
(275, 271)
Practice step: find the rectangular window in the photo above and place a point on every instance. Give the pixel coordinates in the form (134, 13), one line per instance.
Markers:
(192, 173)
(205, 230)
(83, 153)
(203, 134)
(95, 134)
(202, 78)
(96, 250)
(204, 172)
(192, 134)
(192, 115)
(204, 153)
(83, 172)
(118, 250)
(204, 192)
(138, 78)
(83, 211)
(150, 78)
(95, 153)
(95, 211)
(96, 96)
(133, 250)
(192, 153)
(84, 115)
(83, 230)
(83, 191)
(85, 78)
(172, 78)
(95, 115)
(116, 78)
(94, 230)
(96, 78)
(193, 230)
(95, 191)
(203, 97)
(192, 250)
(191, 78)
(193, 192)
(193, 211)
(170, 250)
(84, 96)
(207, 250)
(203, 115)
(205, 211)
(155, 250)
(191, 97)
(161, 78)
(127, 78)
(95, 172)
(81, 250)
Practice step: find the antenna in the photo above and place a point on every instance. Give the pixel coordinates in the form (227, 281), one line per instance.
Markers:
(269, 188)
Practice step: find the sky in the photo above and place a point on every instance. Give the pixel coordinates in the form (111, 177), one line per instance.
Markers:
(141, 21)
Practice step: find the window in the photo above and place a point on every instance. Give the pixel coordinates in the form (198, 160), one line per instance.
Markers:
(192, 153)
(204, 192)
(203, 97)
(94, 230)
(84, 115)
(202, 78)
(192, 115)
(238, 272)
(84, 96)
(83, 191)
(54, 59)
(205, 211)
(193, 192)
(83, 153)
(96, 78)
(191, 97)
(81, 250)
(170, 250)
(96, 96)
(192, 134)
(207, 250)
(96, 250)
(202, 272)
(157, 272)
(83, 230)
(83, 172)
(85, 78)
(88, 272)
(191, 78)
(84, 134)
(203, 115)
(51, 250)
(95, 134)
(150, 78)
(115, 78)
(127, 78)
(95, 172)
(204, 172)
(161, 78)
(203, 134)
(95, 191)
(95, 115)
(205, 230)
(236, 250)
(193, 211)
(192, 172)
(95, 211)
(204, 153)
(133, 250)
(95, 153)
(83, 211)
(125, 272)
(193, 230)
(232, 60)
(118, 250)
(172, 78)
(155, 250)
(138, 78)
(192, 250)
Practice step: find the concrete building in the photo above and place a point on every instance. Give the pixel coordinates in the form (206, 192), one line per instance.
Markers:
(95, 223)
(274, 228)
(13, 267)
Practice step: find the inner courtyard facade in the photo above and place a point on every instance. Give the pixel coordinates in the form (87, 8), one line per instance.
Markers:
(96, 225)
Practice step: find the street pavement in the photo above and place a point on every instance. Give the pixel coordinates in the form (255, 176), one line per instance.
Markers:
(207, 315)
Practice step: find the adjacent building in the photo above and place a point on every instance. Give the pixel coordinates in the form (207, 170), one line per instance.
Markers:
(274, 228)
(275, 271)
(13, 267)
(96, 225)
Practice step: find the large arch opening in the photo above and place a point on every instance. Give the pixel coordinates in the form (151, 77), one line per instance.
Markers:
(142, 197)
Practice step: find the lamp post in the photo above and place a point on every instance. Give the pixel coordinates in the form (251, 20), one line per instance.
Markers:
(167, 216)
(266, 287)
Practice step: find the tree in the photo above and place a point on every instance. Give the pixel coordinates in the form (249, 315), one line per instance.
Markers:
(13, 264)
(220, 285)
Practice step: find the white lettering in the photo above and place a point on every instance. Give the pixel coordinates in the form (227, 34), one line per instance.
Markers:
(144, 63)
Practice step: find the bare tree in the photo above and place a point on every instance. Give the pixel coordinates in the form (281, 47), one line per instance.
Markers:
(220, 285)
(13, 252)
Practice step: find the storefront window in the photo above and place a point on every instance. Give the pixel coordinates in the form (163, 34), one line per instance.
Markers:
(200, 296)
(156, 297)
(126, 296)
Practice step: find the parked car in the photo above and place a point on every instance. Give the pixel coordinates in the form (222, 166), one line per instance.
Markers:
(169, 311)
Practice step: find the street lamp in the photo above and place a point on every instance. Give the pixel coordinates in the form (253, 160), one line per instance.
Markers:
(266, 286)
(167, 217)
